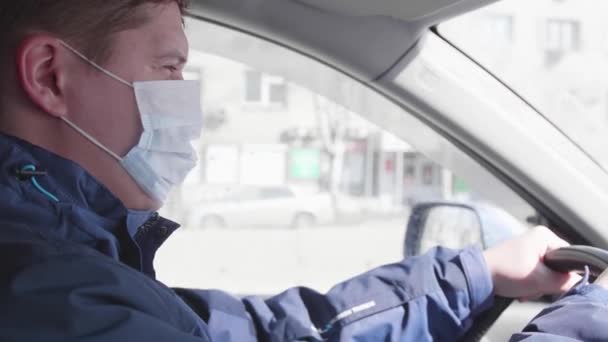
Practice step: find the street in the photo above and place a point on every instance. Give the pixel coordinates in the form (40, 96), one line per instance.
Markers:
(268, 261)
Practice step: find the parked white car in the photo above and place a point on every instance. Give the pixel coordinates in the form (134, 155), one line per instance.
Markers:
(263, 206)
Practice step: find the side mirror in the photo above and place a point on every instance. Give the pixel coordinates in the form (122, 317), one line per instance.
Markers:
(457, 225)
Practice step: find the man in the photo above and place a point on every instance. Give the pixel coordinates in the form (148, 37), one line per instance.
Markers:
(95, 124)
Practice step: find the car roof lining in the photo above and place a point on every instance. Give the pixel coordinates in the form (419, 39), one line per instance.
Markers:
(361, 37)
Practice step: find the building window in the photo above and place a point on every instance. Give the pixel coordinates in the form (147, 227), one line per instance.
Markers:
(499, 29)
(606, 106)
(278, 93)
(561, 36)
(253, 86)
(428, 174)
(264, 89)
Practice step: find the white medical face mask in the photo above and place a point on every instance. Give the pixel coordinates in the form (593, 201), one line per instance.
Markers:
(171, 117)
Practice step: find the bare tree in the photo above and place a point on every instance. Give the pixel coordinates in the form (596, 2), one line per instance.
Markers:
(333, 123)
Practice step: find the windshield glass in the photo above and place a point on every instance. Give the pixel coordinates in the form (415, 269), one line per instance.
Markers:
(306, 177)
(552, 52)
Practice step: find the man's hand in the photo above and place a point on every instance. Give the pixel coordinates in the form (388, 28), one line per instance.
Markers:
(517, 266)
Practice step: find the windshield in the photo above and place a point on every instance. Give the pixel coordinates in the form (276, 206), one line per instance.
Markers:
(554, 53)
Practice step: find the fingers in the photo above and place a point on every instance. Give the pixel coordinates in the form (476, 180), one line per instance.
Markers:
(564, 284)
(572, 281)
(552, 241)
(555, 282)
(551, 282)
(517, 268)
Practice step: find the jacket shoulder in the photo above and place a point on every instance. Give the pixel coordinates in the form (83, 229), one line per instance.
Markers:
(73, 292)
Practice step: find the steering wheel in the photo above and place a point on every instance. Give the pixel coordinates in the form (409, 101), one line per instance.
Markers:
(567, 259)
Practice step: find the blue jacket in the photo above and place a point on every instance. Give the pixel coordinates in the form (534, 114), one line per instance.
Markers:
(581, 315)
(76, 265)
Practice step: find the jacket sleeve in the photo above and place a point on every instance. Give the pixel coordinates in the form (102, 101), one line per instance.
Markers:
(581, 315)
(431, 297)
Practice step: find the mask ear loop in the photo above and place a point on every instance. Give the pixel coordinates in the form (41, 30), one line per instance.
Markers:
(95, 65)
(91, 139)
(106, 72)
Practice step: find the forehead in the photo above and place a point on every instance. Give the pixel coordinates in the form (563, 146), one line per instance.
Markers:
(162, 33)
(166, 22)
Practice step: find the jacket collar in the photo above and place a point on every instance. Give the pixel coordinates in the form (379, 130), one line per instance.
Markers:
(62, 200)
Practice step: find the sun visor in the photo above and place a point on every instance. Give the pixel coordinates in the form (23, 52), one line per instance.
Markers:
(408, 10)
(362, 37)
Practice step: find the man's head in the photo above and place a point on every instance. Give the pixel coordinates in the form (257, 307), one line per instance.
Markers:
(137, 40)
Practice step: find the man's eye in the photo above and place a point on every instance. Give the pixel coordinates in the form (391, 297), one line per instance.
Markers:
(171, 68)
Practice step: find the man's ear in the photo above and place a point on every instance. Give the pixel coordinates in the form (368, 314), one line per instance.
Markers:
(41, 73)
